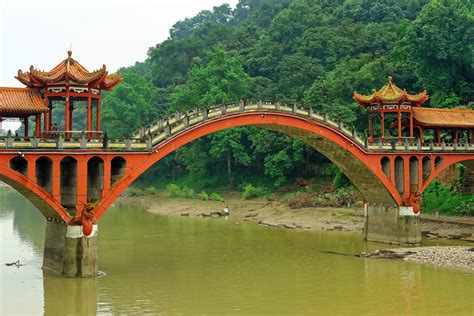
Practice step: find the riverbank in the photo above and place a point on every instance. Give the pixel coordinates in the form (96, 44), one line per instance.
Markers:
(273, 213)
(456, 257)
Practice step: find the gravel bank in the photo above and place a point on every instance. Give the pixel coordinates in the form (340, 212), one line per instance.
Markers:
(457, 257)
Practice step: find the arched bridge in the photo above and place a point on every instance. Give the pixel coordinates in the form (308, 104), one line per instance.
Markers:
(61, 175)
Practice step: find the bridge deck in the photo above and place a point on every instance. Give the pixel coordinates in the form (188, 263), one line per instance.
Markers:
(148, 137)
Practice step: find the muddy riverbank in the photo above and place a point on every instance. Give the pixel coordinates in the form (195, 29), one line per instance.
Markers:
(276, 214)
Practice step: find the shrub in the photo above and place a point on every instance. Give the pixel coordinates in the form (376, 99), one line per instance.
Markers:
(216, 197)
(151, 190)
(438, 197)
(188, 193)
(252, 192)
(132, 191)
(203, 196)
(174, 190)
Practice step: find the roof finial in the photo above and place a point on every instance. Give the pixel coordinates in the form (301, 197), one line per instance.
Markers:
(69, 52)
(390, 79)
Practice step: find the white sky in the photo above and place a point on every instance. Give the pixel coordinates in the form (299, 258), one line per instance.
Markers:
(112, 32)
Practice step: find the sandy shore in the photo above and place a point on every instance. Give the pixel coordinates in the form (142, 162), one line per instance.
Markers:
(273, 213)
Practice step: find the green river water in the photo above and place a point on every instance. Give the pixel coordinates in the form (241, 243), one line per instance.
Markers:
(193, 266)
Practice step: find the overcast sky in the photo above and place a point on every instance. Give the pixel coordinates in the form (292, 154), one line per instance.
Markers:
(112, 32)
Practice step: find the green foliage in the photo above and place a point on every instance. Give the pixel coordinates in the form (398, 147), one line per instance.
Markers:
(133, 191)
(221, 80)
(253, 192)
(203, 196)
(216, 197)
(443, 199)
(340, 180)
(130, 104)
(314, 52)
(174, 190)
(188, 193)
(151, 190)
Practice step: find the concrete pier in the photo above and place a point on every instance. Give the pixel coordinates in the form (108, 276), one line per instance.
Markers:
(392, 224)
(68, 252)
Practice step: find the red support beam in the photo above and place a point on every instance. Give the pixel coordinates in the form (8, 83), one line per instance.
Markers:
(399, 126)
(38, 125)
(89, 111)
(383, 125)
(98, 115)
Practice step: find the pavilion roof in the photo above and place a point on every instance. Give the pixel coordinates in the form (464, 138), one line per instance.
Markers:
(434, 117)
(391, 94)
(20, 102)
(69, 70)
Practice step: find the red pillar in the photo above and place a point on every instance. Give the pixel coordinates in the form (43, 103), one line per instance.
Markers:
(56, 179)
(371, 129)
(456, 137)
(438, 136)
(406, 180)
(421, 135)
(38, 125)
(81, 184)
(71, 125)
(411, 125)
(46, 115)
(420, 173)
(383, 125)
(107, 174)
(67, 124)
(399, 126)
(26, 126)
(98, 114)
(89, 111)
(392, 170)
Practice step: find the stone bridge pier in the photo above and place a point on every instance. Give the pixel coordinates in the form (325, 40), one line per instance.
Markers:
(68, 252)
(391, 224)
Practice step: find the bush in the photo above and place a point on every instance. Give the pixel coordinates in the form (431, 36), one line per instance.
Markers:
(151, 190)
(443, 199)
(252, 192)
(346, 196)
(203, 196)
(188, 193)
(132, 191)
(216, 197)
(174, 190)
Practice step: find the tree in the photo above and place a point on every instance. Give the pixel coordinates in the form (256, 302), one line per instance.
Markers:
(219, 81)
(129, 105)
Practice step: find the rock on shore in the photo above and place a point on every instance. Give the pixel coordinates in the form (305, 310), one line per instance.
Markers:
(458, 257)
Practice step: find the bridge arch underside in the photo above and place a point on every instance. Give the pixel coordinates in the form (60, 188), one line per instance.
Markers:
(362, 177)
(37, 196)
(363, 170)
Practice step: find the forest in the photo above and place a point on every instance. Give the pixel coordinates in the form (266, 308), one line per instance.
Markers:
(312, 52)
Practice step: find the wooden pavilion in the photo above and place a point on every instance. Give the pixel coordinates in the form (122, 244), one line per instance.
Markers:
(69, 82)
(411, 121)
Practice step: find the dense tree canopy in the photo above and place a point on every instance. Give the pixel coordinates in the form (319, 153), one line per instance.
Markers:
(316, 52)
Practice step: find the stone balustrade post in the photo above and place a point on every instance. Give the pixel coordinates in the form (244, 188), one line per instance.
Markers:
(34, 141)
(241, 106)
(60, 140)
(168, 129)
(105, 141)
(9, 140)
(149, 142)
(204, 114)
(83, 140)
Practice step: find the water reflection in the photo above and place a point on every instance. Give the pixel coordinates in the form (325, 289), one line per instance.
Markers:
(80, 295)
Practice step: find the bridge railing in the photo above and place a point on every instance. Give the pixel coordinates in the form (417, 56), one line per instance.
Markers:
(408, 144)
(163, 129)
(74, 140)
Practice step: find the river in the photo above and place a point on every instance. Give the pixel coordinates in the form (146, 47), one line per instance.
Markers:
(208, 266)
